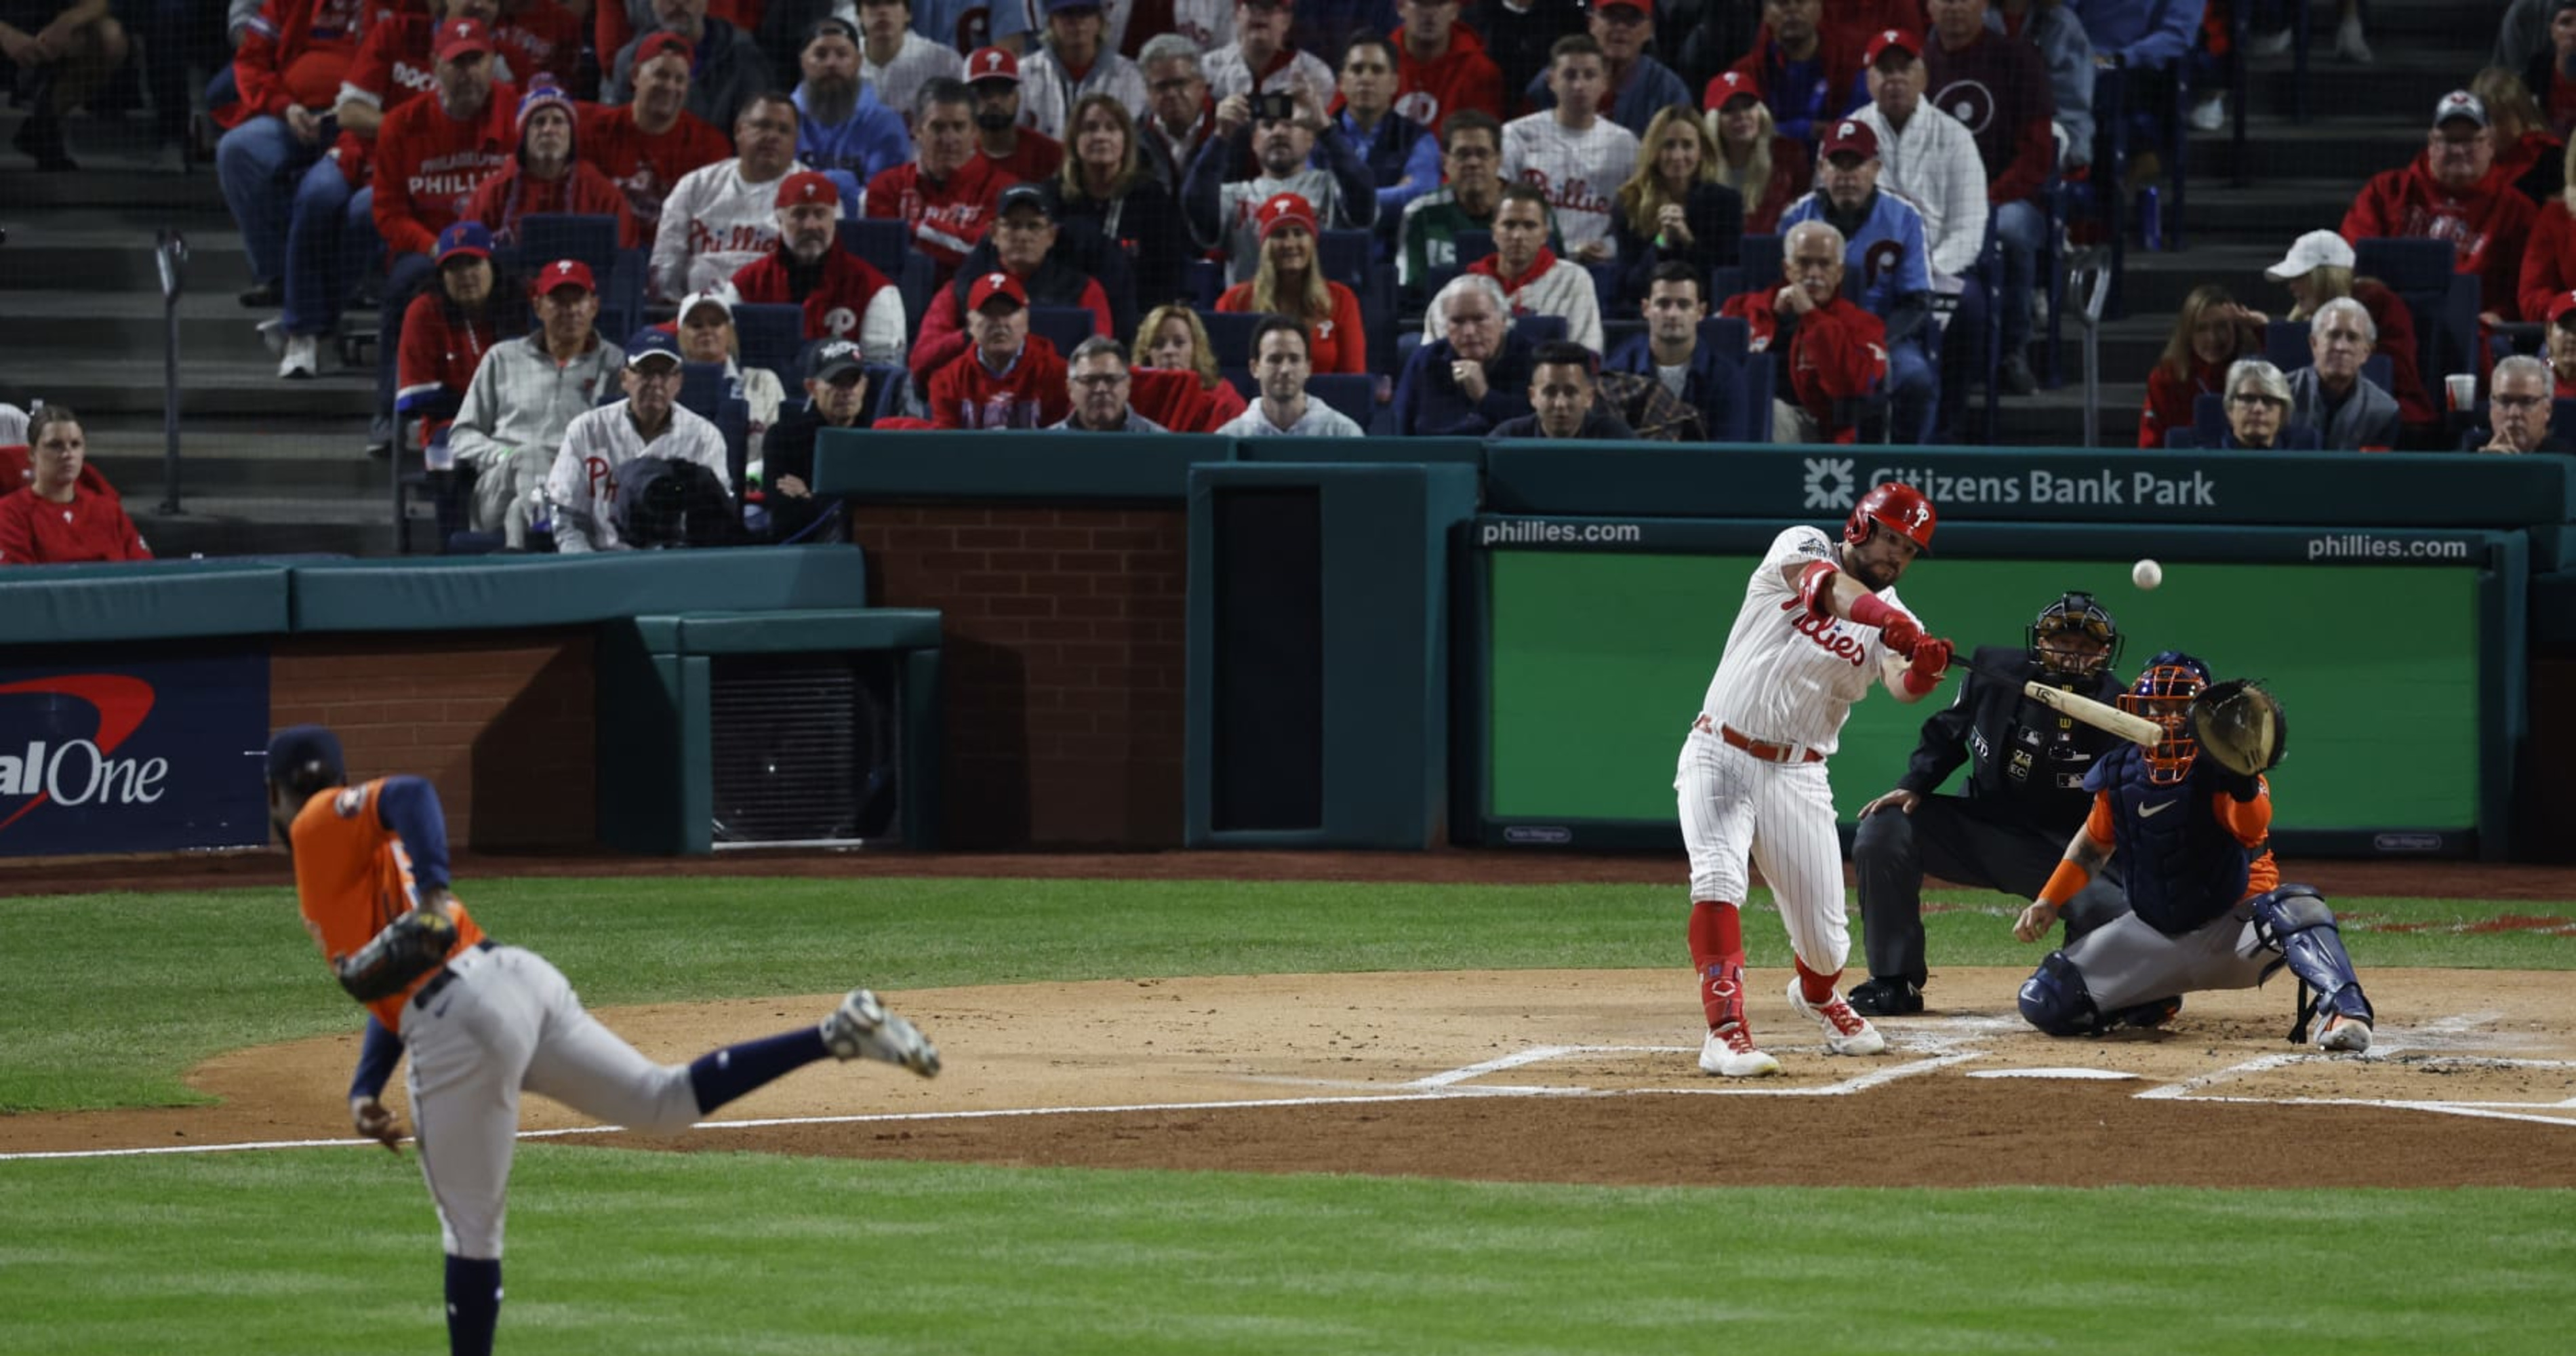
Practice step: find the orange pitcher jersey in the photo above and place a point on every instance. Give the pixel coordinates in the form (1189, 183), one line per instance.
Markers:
(352, 877)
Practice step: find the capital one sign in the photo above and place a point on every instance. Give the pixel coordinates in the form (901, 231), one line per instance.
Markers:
(142, 756)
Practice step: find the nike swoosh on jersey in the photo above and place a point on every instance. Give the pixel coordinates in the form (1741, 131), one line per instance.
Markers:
(2151, 811)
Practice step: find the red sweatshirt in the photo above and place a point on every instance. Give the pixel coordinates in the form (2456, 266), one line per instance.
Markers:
(1030, 395)
(1462, 77)
(2549, 264)
(947, 219)
(2487, 225)
(1034, 158)
(507, 194)
(393, 67)
(1339, 344)
(295, 53)
(2396, 325)
(642, 164)
(943, 333)
(428, 163)
(2170, 399)
(833, 308)
(35, 531)
(1837, 352)
(440, 351)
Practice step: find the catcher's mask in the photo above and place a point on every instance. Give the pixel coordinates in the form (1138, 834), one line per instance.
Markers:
(2075, 637)
(2163, 694)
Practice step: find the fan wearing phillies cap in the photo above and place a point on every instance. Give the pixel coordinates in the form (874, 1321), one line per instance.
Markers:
(1023, 247)
(1009, 378)
(2447, 194)
(838, 394)
(725, 215)
(726, 68)
(1020, 152)
(1767, 171)
(1639, 86)
(526, 394)
(843, 295)
(1883, 243)
(1807, 73)
(1292, 283)
(548, 176)
(451, 326)
(1925, 156)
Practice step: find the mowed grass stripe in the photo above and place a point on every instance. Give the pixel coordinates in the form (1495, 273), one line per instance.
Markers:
(111, 997)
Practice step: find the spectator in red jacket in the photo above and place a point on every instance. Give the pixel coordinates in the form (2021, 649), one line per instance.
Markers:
(289, 69)
(547, 176)
(2446, 194)
(449, 328)
(1807, 74)
(57, 519)
(1767, 170)
(1023, 247)
(2562, 346)
(1023, 154)
(1292, 283)
(648, 146)
(68, 48)
(1010, 378)
(1832, 350)
(843, 296)
(1440, 66)
(2210, 333)
(429, 157)
(947, 194)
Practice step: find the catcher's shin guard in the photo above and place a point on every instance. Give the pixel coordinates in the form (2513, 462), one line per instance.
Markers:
(2294, 921)
(2055, 1000)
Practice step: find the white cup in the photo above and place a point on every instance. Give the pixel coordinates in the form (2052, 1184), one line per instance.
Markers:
(2464, 390)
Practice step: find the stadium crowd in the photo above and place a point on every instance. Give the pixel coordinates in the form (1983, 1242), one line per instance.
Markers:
(1699, 220)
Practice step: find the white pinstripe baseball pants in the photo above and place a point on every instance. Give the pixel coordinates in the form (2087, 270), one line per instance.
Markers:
(1781, 815)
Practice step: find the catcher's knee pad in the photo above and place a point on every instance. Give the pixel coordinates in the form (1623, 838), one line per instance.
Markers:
(2294, 921)
(2055, 1000)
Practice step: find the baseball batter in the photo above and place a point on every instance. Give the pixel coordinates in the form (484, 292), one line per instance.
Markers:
(1820, 622)
(2206, 908)
(484, 1022)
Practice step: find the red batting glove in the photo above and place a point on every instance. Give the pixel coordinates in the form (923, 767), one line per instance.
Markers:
(1816, 588)
(1931, 660)
(1903, 636)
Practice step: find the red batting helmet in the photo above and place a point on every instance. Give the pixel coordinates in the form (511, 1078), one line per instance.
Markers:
(1898, 507)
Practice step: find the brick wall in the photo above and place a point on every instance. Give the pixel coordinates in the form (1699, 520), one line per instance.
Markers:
(501, 723)
(1064, 665)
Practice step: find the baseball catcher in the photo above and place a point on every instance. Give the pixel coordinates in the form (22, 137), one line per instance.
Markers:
(2207, 909)
(2025, 794)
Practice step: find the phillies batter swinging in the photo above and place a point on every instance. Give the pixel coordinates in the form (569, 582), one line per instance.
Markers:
(1820, 623)
(482, 1021)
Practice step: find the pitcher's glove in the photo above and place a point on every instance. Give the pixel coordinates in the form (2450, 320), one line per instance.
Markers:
(409, 947)
(2240, 724)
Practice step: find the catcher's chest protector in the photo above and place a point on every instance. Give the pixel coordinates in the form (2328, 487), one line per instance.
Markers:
(2185, 868)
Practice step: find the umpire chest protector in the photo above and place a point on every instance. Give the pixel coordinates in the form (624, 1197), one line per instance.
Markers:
(2024, 752)
(2185, 868)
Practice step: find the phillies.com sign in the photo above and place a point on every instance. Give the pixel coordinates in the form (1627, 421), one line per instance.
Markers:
(144, 756)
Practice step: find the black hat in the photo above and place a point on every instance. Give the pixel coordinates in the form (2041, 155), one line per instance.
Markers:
(299, 746)
(829, 358)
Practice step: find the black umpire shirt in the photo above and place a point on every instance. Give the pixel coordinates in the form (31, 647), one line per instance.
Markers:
(2024, 753)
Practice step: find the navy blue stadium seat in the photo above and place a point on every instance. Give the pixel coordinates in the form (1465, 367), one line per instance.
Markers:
(2445, 301)
(1063, 326)
(772, 334)
(1474, 245)
(1344, 256)
(1230, 334)
(1353, 393)
(882, 241)
(1539, 329)
(547, 236)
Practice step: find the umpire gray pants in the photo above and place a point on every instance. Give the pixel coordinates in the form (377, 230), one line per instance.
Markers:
(1983, 843)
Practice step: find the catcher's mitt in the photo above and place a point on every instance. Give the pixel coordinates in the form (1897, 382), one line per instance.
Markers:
(2240, 724)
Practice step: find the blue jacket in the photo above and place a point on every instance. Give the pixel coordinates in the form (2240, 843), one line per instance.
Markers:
(2146, 34)
(1886, 251)
(1714, 387)
(1651, 89)
(1403, 159)
(1428, 402)
(872, 141)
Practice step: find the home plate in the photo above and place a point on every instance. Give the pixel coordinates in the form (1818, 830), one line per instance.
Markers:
(2101, 1075)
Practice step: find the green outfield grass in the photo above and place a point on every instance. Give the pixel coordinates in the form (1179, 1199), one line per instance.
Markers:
(107, 999)
(627, 1252)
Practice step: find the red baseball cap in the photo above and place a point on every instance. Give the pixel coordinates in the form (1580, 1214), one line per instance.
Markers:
(1730, 86)
(1286, 209)
(2561, 305)
(993, 285)
(806, 186)
(1851, 134)
(563, 273)
(665, 44)
(1893, 37)
(992, 63)
(462, 36)
(1641, 6)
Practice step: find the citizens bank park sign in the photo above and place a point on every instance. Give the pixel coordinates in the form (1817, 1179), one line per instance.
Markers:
(145, 756)
(1830, 484)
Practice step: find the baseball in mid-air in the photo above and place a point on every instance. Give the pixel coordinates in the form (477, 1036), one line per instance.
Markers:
(2146, 574)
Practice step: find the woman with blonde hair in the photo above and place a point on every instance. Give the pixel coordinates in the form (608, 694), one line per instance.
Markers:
(1672, 206)
(2528, 155)
(1767, 171)
(2210, 332)
(1109, 199)
(1173, 342)
(1292, 283)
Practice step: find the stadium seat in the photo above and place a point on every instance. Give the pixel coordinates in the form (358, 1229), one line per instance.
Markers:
(1345, 258)
(2562, 418)
(2444, 300)
(1230, 334)
(704, 388)
(1204, 281)
(1353, 393)
(1063, 326)
(1474, 245)
(1539, 329)
(772, 334)
(1240, 378)
(547, 236)
(882, 241)
(1759, 256)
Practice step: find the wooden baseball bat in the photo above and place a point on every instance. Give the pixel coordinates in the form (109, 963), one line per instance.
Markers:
(2136, 729)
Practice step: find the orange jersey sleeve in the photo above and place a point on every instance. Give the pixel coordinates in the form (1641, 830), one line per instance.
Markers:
(352, 878)
(2097, 825)
(2251, 822)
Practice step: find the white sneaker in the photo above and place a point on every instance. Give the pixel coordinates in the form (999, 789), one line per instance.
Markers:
(2349, 44)
(2269, 44)
(1846, 1031)
(1729, 1053)
(2209, 114)
(2344, 1035)
(272, 332)
(300, 359)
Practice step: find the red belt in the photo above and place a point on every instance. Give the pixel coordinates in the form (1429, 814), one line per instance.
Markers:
(1767, 752)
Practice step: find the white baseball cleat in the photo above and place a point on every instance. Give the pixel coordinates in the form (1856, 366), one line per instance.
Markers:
(2347, 1035)
(861, 1028)
(1729, 1053)
(1846, 1031)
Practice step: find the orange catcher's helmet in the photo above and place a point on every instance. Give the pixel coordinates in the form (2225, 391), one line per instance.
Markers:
(1896, 506)
(2163, 694)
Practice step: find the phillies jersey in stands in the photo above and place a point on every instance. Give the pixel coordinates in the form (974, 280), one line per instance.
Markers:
(92, 526)
(1029, 393)
(843, 295)
(947, 217)
(714, 222)
(427, 166)
(1885, 247)
(646, 165)
(1462, 77)
(1580, 172)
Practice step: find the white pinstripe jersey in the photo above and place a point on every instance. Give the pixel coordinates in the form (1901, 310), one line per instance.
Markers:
(1786, 678)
